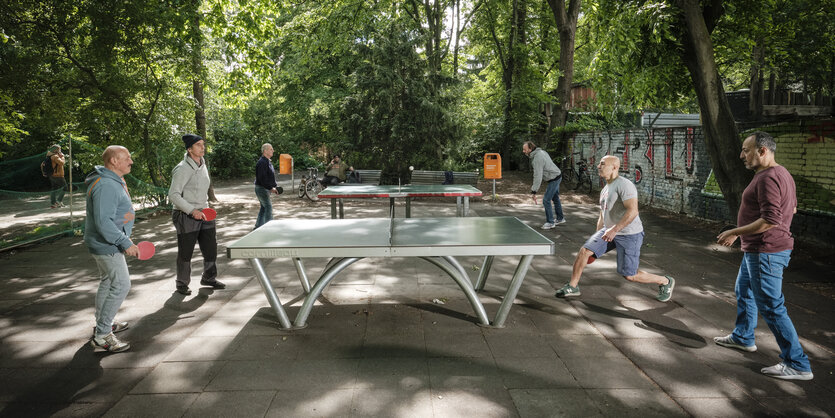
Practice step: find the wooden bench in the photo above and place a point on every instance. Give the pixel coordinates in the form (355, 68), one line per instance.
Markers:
(368, 176)
(437, 177)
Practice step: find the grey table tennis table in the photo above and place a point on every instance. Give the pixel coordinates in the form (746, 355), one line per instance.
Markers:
(337, 194)
(436, 240)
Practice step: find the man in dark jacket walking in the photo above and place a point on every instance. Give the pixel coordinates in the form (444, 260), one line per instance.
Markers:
(265, 184)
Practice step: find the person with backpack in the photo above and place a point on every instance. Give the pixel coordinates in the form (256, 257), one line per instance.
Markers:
(53, 168)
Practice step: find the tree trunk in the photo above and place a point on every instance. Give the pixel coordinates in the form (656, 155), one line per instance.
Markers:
(720, 132)
(197, 84)
(566, 21)
(755, 96)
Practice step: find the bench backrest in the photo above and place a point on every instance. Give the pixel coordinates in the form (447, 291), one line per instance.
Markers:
(437, 177)
(369, 176)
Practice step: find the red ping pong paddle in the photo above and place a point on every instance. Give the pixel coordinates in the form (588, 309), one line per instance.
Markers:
(591, 259)
(146, 250)
(209, 214)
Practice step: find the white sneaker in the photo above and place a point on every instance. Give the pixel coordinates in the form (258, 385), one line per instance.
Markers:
(786, 372)
(547, 225)
(560, 222)
(109, 343)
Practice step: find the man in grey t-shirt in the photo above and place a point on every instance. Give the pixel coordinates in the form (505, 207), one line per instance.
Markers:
(618, 227)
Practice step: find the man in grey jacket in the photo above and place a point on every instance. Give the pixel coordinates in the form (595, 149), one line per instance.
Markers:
(189, 195)
(545, 170)
(107, 229)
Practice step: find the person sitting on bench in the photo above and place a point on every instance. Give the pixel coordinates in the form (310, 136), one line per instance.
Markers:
(336, 171)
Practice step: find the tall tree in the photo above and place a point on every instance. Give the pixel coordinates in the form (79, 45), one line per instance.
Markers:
(566, 19)
(720, 132)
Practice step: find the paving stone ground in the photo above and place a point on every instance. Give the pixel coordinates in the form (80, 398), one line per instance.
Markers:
(377, 344)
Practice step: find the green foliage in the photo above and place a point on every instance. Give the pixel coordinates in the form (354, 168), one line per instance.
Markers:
(235, 151)
(395, 116)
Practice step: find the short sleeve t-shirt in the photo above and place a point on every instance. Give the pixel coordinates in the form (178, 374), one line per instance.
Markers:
(771, 195)
(611, 204)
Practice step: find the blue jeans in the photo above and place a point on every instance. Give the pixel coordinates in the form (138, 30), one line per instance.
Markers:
(552, 194)
(759, 288)
(113, 289)
(265, 214)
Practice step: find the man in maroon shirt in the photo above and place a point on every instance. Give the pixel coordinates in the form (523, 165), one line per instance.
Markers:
(765, 216)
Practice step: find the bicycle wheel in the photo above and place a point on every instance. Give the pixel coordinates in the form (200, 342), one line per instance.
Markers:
(302, 186)
(569, 178)
(312, 190)
(584, 186)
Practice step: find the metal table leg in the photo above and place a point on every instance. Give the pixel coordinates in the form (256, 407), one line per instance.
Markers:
(328, 275)
(269, 292)
(512, 290)
(302, 274)
(341, 210)
(482, 274)
(451, 260)
(458, 207)
(408, 207)
(333, 208)
(466, 206)
(465, 285)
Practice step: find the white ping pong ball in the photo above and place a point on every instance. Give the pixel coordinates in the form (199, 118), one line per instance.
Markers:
(411, 167)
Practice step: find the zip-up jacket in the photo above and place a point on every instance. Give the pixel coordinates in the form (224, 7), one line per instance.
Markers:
(189, 185)
(110, 213)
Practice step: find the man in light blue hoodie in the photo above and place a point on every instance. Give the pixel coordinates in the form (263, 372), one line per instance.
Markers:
(545, 170)
(107, 229)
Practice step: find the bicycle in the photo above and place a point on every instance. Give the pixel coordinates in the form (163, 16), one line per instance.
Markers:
(577, 179)
(569, 176)
(583, 178)
(310, 185)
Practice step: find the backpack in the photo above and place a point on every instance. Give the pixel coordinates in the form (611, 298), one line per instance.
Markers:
(46, 166)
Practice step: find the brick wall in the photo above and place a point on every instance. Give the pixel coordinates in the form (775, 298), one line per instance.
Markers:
(672, 171)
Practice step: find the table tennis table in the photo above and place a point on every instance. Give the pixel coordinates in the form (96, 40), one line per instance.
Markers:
(462, 193)
(436, 240)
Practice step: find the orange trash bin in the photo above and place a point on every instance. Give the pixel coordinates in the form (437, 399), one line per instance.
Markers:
(285, 164)
(492, 166)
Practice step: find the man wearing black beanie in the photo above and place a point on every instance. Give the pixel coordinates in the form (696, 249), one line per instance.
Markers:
(189, 195)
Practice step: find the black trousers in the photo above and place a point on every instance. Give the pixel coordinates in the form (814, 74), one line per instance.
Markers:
(189, 232)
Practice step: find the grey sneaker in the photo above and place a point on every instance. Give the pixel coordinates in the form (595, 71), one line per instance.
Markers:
(728, 341)
(109, 343)
(786, 372)
(568, 291)
(560, 222)
(547, 225)
(665, 291)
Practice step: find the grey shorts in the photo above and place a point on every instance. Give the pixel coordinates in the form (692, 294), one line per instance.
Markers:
(628, 246)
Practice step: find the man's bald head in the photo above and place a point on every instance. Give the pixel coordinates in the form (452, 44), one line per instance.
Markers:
(608, 167)
(117, 159)
(611, 159)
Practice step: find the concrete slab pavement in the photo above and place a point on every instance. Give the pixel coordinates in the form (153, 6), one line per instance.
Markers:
(377, 344)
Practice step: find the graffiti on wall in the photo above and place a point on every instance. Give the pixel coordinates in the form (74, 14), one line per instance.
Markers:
(820, 131)
(689, 151)
(650, 154)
